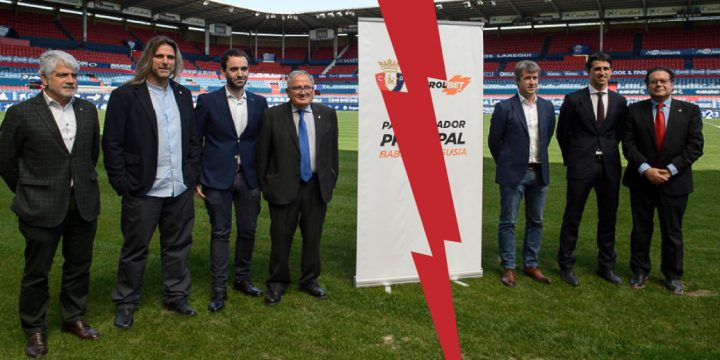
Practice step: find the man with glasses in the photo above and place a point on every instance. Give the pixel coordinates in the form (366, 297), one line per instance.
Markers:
(297, 164)
(662, 139)
(588, 132)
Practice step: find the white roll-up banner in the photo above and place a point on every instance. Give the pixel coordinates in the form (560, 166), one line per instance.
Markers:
(388, 223)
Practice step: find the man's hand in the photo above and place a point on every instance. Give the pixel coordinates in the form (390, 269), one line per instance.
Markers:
(198, 191)
(658, 176)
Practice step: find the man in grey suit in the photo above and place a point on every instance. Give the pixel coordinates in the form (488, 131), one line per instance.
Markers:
(49, 146)
(297, 164)
(520, 131)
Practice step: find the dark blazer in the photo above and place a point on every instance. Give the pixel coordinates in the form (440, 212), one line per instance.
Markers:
(130, 142)
(683, 144)
(579, 135)
(509, 140)
(278, 153)
(38, 168)
(220, 141)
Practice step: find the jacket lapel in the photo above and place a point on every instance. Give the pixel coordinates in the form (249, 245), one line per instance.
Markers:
(290, 125)
(224, 106)
(47, 118)
(79, 120)
(519, 113)
(142, 95)
(587, 105)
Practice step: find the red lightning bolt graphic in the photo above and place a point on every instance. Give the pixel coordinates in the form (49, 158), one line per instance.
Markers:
(414, 34)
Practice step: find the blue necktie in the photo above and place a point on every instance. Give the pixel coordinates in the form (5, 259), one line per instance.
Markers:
(305, 169)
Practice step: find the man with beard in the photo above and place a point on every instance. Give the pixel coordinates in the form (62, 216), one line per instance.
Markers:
(151, 157)
(49, 146)
(228, 122)
(588, 132)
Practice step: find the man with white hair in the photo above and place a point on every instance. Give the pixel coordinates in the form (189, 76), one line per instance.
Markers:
(49, 146)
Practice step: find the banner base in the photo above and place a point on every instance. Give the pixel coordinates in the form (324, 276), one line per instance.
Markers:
(359, 283)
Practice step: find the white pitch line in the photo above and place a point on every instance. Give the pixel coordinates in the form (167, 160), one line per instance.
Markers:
(713, 125)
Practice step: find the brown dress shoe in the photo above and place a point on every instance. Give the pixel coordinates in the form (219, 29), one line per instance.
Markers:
(508, 277)
(80, 329)
(537, 275)
(36, 345)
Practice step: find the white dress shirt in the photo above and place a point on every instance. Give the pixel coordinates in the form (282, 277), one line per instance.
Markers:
(310, 124)
(533, 125)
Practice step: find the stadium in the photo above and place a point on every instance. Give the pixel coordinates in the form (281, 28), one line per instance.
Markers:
(597, 320)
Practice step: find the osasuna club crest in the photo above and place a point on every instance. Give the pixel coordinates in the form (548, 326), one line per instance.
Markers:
(390, 79)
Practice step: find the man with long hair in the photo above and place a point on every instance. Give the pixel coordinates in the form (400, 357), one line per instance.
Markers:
(152, 161)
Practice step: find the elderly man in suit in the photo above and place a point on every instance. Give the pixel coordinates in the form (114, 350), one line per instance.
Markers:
(151, 157)
(520, 131)
(662, 139)
(228, 123)
(588, 132)
(297, 163)
(49, 146)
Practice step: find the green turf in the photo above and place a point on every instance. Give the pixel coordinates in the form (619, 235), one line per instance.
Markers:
(532, 321)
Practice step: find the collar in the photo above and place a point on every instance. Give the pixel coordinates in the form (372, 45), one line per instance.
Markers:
(157, 88)
(595, 91)
(228, 94)
(666, 102)
(49, 101)
(525, 101)
(307, 109)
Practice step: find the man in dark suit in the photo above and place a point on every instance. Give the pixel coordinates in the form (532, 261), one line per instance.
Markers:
(151, 157)
(228, 122)
(520, 131)
(49, 146)
(588, 133)
(662, 139)
(297, 163)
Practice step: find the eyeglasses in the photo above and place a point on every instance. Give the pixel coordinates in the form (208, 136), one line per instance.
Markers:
(298, 89)
(660, 81)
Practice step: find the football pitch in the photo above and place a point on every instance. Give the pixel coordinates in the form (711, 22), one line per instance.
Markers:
(597, 320)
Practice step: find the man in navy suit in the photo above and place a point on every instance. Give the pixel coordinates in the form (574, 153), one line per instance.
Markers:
(588, 134)
(662, 139)
(520, 131)
(228, 122)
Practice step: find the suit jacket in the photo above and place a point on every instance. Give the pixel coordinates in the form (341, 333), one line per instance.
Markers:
(220, 141)
(579, 135)
(683, 144)
(38, 168)
(509, 140)
(278, 153)
(130, 141)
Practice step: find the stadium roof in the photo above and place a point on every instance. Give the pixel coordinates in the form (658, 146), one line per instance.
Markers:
(510, 12)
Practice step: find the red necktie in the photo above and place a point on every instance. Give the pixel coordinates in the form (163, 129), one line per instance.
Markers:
(659, 127)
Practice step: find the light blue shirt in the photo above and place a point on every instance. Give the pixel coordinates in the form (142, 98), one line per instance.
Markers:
(169, 176)
(666, 112)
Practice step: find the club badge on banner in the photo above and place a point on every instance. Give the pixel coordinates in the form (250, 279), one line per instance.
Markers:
(388, 224)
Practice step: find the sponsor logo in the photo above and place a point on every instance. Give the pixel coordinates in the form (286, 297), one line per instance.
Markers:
(455, 85)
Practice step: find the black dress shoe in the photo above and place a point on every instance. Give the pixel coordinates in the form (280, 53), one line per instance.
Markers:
(217, 301)
(675, 286)
(314, 290)
(124, 317)
(36, 345)
(273, 297)
(246, 287)
(181, 308)
(80, 329)
(609, 276)
(638, 281)
(569, 277)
